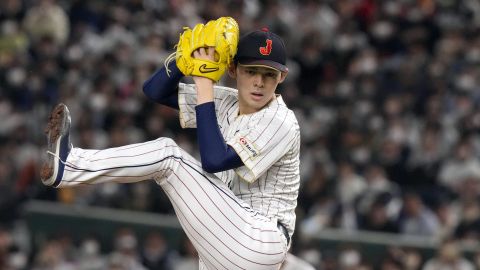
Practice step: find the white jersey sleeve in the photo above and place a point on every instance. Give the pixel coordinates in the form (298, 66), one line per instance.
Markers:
(263, 142)
(187, 100)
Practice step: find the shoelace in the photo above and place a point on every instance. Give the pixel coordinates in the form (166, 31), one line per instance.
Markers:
(55, 155)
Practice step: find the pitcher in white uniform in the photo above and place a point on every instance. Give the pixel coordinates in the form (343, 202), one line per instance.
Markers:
(237, 205)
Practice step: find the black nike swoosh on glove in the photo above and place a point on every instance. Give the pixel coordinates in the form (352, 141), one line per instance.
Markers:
(204, 69)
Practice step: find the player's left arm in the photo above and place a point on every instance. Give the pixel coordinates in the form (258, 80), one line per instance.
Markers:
(215, 154)
(263, 143)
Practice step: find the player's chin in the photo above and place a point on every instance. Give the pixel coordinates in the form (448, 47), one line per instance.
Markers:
(257, 104)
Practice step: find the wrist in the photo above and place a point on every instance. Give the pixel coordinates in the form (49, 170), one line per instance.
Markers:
(204, 89)
(203, 82)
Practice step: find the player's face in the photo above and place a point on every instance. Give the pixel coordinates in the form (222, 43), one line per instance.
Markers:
(256, 87)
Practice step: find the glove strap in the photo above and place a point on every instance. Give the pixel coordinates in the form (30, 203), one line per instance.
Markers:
(167, 62)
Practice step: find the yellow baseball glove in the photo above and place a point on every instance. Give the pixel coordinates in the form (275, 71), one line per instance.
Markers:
(222, 34)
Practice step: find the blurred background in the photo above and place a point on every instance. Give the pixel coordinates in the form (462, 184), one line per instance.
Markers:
(387, 94)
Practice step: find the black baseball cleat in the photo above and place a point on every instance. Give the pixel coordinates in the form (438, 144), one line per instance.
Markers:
(59, 146)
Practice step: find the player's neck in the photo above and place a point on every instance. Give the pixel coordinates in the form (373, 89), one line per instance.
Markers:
(244, 110)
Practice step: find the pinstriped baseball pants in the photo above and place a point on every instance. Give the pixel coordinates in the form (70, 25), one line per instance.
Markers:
(226, 232)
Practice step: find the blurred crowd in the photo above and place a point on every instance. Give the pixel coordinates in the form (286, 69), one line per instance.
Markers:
(387, 94)
(128, 252)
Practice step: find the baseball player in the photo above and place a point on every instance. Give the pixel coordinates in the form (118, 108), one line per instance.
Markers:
(237, 204)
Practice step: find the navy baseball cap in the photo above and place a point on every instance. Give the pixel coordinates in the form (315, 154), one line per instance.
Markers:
(262, 48)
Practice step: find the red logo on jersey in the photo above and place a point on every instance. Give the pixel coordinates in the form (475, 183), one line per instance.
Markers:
(251, 149)
(266, 50)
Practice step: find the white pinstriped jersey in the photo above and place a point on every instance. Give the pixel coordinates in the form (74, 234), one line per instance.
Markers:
(268, 142)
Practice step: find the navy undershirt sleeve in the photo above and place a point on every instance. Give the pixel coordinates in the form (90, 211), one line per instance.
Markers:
(215, 154)
(163, 88)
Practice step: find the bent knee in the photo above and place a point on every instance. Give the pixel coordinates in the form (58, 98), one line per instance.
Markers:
(167, 141)
(168, 147)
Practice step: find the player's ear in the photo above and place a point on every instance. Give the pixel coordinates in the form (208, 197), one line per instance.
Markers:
(283, 75)
(232, 70)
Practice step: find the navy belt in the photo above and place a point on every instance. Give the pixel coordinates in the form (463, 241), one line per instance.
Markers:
(284, 230)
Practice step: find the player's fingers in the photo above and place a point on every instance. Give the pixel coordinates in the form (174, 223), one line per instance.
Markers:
(211, 50)
(212, 54)
(202, 51)
(196, 54)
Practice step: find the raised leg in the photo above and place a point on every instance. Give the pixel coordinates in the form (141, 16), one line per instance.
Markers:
(226, 232)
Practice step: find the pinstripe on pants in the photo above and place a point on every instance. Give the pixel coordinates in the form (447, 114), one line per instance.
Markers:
(227, 232)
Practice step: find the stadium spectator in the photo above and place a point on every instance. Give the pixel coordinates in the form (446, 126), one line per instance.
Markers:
(126, 253)
(47, 19)
(90, 257)
(156, 253)
(449, 257)
(416, 218)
